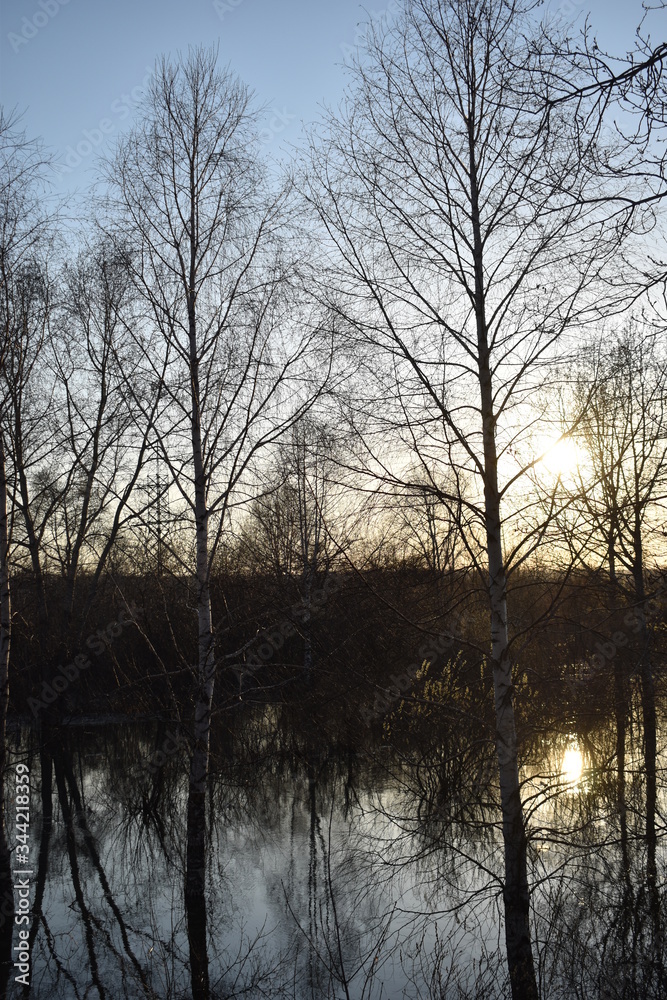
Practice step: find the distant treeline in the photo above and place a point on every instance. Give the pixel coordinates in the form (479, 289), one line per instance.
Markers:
(374, 639)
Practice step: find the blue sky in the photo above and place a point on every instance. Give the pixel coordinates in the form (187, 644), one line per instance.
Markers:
(76, 66)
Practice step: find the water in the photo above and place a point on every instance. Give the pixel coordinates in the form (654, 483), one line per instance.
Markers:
(365, 872)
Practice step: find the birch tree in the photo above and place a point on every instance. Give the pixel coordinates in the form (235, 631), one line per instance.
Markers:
(470, 235)
(211, 256)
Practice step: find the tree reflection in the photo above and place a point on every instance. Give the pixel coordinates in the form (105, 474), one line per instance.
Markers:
(338, 871)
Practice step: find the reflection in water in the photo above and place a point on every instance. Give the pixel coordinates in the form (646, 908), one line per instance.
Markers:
(338, 873)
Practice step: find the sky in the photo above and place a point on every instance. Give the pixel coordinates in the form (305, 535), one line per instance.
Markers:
(75, 68)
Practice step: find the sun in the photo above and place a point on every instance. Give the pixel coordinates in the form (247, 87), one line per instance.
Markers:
(561, 457)
(572, 766)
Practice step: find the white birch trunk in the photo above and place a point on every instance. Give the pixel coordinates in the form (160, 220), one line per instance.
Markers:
(195, 874)
(515, 893)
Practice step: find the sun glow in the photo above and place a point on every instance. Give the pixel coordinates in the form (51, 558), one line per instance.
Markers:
(560, 457)
(572, 767)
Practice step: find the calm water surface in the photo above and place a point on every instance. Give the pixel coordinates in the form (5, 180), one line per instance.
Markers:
(336, 873)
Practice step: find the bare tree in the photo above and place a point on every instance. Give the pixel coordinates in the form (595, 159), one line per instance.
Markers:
(291, 526)
(308, 459)
(427, 528)
(76, 450)
(268, 536)
(98, 367)
(211, 254)
(636, 79)
(622, 478)
(24, 231)
(468, 242)
(622, 493)
(629, 93)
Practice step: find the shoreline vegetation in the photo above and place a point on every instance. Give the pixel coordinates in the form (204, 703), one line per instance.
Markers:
(365, 660)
